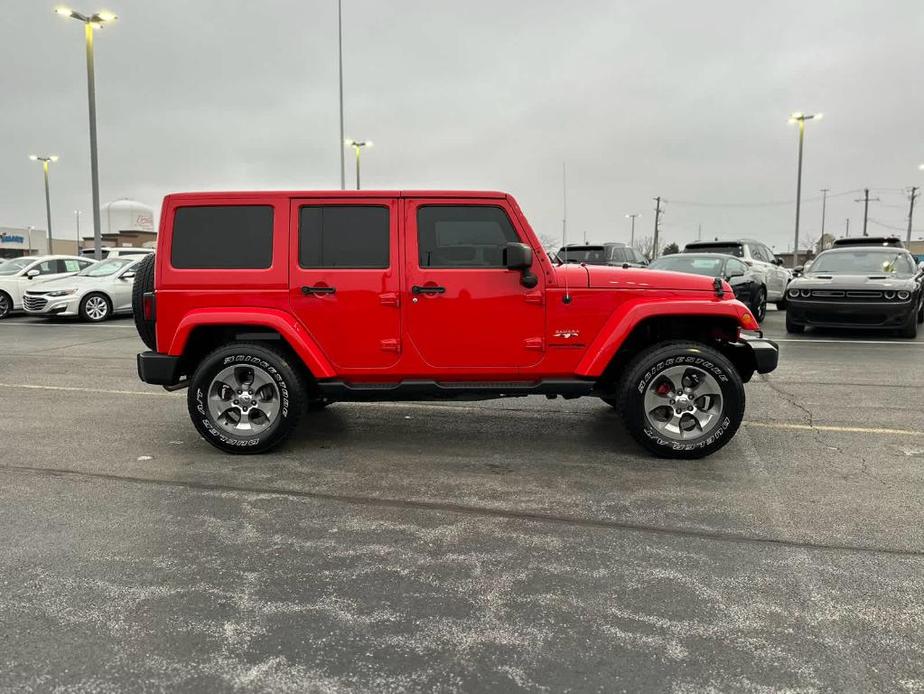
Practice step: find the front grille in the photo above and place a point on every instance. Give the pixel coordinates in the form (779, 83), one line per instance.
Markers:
(34, 303)
(846, 318)
(852, 296)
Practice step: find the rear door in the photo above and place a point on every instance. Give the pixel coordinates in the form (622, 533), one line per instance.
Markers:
(344, 278)
(464, 309)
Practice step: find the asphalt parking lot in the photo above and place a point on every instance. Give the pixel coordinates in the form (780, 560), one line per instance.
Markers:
(518, 544)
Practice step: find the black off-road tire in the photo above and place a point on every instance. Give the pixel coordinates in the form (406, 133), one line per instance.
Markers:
(144, 282)
(921, 313)
(6, 305)
(795, 328)
(274, 362)
(612, 402)
(648, 365)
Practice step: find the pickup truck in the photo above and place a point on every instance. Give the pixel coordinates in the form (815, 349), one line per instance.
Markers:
(268, 305)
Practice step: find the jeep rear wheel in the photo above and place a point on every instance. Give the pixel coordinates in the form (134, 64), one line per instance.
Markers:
(245, 398)
(142, 284)
(682, 400)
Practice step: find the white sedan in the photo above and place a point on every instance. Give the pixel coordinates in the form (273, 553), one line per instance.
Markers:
(19, 274)
(94, 294)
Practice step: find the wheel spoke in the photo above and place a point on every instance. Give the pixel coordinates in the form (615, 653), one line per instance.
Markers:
(243, 399)
(698, 405)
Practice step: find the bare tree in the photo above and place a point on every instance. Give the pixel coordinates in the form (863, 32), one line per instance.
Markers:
(548, 241)
(645, 245)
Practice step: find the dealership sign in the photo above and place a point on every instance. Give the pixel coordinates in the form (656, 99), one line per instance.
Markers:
(10, 238)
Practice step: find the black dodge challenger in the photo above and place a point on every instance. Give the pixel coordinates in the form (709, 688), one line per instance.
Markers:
(859, 287)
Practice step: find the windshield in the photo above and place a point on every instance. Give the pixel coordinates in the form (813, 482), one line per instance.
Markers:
(106, 268)
(724, 248)
(583, 254)
(711, 267)
(11, 267)
(863, 262)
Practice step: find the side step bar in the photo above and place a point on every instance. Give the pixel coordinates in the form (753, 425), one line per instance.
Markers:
(452, 390)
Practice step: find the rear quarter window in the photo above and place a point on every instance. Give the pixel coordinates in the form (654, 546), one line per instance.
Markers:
(229, 237)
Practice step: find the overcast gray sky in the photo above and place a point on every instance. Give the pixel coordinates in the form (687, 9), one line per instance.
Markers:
(687, 100)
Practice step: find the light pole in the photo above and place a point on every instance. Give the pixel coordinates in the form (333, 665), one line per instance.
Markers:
(357, 146)
(632, 233)
(340, 63)
(77, 215)
(90, 23)
(800, 118)
(45, 158)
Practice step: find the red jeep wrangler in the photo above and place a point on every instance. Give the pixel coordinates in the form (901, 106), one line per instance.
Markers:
(269, 304)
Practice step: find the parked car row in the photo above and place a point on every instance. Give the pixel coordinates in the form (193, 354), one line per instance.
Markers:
(62, 285)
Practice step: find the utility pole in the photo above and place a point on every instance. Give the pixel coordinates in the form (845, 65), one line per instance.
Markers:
(564, 205)
(824, 205)
(847, 230)
(654, 246)
(632, 233)
(77, 215)
(914, 194)
(866, 200)
(699, 232)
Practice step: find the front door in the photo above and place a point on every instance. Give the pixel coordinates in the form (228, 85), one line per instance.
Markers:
(344, 279)
(464, 309)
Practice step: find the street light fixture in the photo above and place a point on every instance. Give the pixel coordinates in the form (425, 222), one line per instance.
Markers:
(45, 158)
(800, 118)
(357, 145)
(91, 22)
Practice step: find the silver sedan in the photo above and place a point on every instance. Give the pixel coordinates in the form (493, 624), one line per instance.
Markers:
(94, 294)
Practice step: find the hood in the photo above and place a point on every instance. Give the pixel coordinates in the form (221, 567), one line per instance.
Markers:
(59, 283)
(642, 278)
(843, 281)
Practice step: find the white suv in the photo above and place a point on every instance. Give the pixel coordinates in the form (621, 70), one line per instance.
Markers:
(120, 252)
(767, 267)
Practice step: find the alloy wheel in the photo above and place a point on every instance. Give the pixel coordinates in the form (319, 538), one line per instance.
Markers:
(243, 400)
(96, 308)
(683, 403)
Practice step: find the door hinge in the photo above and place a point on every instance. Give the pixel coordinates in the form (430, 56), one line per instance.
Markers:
(390, 345)
(535, 298)
(536, 344)
(389, 299)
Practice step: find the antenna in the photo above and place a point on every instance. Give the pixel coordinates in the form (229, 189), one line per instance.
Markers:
(564, 227)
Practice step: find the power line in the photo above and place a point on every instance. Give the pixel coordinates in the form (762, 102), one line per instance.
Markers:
(770, 203)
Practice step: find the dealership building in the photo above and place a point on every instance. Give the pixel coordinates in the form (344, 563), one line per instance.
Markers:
(16, 241)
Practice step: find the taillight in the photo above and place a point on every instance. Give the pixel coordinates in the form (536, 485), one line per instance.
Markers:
(147, 305)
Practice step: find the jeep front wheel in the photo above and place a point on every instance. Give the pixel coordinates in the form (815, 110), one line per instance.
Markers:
(682, 400)
(245, 398)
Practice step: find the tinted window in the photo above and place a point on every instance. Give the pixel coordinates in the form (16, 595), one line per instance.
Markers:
(583, 254)
(348, 236)
(719, 247)
(463, 236)
(50, 267)
(864, 262)
(226, 237)
(620, 255)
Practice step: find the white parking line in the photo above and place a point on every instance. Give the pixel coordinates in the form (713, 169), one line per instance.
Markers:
(75, 389)
(821, 341)
(831, 427)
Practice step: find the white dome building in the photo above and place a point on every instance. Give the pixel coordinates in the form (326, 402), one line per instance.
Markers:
(125, 223)
(126, 215)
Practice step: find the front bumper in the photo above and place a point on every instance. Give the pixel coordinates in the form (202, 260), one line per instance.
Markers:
(765, 353)
(41, 305)
(830, 314)
(159, 369)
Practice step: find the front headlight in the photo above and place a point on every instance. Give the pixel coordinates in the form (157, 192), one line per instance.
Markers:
(61, 292)
(793, 293)
(904, 296)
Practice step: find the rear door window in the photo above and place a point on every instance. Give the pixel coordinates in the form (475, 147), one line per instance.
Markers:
(343, 236)
(463, 236)
(231, 237)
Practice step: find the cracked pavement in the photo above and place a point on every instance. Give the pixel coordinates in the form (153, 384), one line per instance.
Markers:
(516, 545)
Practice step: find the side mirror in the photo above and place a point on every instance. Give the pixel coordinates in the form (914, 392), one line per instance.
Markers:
(519, 256)
(128, 275)
(921, 266)
(798, 268)
(32, 273)
(777, 260)
(733, 274)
